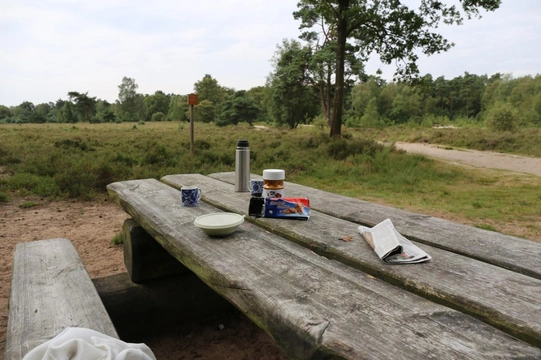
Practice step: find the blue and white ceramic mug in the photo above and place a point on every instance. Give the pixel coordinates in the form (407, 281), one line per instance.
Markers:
(190, 195)
(256, 187)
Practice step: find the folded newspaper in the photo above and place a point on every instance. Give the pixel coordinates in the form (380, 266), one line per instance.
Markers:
(391, 246)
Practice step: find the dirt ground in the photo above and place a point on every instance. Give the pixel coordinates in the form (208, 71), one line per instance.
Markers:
(482, 159)
(91, 226)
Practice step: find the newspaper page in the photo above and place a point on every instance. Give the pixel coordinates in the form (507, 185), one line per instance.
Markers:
(391, 246)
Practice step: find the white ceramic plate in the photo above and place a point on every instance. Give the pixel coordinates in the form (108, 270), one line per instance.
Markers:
(219, 224)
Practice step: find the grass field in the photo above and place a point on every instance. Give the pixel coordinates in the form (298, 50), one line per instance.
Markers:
(56, 161)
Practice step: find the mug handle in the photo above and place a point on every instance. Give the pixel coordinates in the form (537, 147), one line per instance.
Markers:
(199, 194)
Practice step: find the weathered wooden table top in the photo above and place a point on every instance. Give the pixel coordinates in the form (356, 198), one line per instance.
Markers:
(468, 302)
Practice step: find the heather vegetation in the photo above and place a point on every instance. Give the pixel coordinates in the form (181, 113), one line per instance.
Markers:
(54, 161)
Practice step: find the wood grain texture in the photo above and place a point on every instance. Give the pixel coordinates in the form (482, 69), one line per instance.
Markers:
(503, 298)
(312, 306)
(510, 252)
(50, 291)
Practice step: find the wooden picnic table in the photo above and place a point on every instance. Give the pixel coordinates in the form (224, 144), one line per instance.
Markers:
(319, 296)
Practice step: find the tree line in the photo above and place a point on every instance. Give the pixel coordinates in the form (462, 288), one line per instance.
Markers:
(132, 106)
(289, 99)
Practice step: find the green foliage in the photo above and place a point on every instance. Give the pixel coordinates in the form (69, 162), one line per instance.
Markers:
(159, 116)
(362, 93)
(341, 149)
(157, 103)
(371, 116)
(104, 112)
(536, 107)
(28, 204)
(178, 109)
(25, 113)
(205, 111)
(320, 122)
(238, 108)
(67, 115)
(157, 154)
(118, 239)
(503, 117)
(291, 101)
(259, 97)
(209, 89)
(131, 106)
(85, 106)
(5, 112)
(4, 198)
(389, 28)
(27, 183)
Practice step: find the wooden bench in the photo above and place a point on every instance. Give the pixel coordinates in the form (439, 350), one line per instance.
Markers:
(312, 306)
(50, 291)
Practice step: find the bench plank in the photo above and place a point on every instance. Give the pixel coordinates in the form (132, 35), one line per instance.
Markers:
(506, 251)
(310, 305)
(50, 291)
(503, 298)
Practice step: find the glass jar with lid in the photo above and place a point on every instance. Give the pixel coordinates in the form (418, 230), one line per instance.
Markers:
(273, 182)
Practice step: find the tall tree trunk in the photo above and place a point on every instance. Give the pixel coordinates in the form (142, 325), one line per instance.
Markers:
(328, 87)
(325, 93)
(324, 103)
(342, 28)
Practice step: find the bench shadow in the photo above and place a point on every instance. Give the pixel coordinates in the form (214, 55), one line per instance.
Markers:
(179, 316)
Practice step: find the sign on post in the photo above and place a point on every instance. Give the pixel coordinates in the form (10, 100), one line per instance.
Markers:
(193, 99)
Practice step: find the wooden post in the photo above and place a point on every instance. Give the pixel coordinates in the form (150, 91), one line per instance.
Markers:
(192, 101)
(144, 257)
(191, 129)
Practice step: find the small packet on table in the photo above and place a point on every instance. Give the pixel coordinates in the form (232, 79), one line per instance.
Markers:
(285, 208)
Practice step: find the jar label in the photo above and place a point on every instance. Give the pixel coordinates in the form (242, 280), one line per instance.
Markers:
(277, 193)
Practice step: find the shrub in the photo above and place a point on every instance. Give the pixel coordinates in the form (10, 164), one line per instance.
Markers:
(117, 239)
(340, 149)
(158, 116)
(503, 117)
(27, 205)
(320, 122)
(39, 185)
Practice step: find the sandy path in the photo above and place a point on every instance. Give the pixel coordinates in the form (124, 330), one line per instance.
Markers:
(484, 159)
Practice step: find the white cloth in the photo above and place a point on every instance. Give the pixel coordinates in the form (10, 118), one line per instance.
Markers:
(86, 344)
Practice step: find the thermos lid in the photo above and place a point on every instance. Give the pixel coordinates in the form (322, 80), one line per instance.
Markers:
(274, 174)
(242, 143)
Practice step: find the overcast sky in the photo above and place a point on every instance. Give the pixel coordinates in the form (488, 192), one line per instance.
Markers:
(51, 47)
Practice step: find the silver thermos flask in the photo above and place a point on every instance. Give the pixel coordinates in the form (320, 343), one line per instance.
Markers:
(242, 166)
